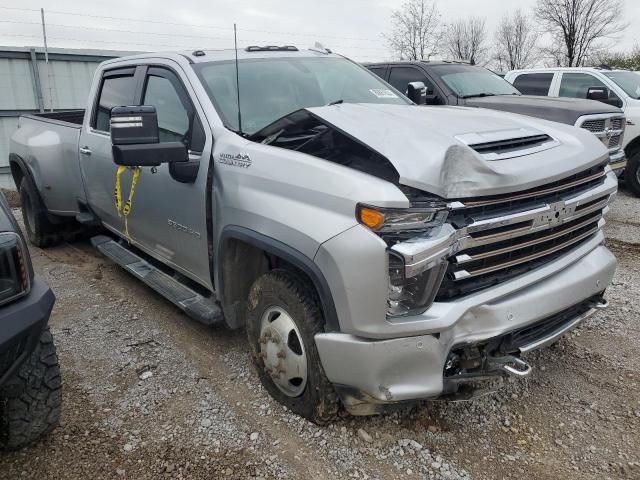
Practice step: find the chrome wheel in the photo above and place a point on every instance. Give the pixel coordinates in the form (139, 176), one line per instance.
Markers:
(283, 352)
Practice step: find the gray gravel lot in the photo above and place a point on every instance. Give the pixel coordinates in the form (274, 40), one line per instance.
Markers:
(151, 394)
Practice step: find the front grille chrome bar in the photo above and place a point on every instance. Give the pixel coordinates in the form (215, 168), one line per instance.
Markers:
(463, 274)
(465, 258)
(537, 193)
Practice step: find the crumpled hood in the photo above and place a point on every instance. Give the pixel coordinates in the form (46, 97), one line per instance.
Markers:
(556, 109)
(421, 143)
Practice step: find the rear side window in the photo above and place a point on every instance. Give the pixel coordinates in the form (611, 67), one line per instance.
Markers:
(534, 83)
(116, 91)
(379, 71)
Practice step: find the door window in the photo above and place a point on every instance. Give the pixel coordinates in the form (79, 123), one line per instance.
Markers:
(173, 116)
(177, 120)
(576, 85)
(117, 91)
(534, 83)
(400, 77)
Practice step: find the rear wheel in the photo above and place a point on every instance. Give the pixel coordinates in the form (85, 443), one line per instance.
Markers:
(41, 232)
(632, 173)
(282, 319)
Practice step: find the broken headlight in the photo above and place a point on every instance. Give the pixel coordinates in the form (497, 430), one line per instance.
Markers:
(14, 273)
(418, 241)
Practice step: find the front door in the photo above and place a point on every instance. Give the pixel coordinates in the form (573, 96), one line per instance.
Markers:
(168, 215)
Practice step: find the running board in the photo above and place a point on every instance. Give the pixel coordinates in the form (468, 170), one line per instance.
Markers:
(192, 303)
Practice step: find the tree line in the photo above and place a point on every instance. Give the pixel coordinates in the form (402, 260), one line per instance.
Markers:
(564, 33)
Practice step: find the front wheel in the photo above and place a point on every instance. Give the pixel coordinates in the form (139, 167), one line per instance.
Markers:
(632, 173)
(31, 400)
(283, 317)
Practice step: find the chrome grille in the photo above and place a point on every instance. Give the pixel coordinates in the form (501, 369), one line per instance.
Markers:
(594, 126)
(501, 243)
(608, 128)
(617, 123)
(614, 141)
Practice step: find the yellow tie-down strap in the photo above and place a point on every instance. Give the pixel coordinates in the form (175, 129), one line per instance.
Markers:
(125, 210)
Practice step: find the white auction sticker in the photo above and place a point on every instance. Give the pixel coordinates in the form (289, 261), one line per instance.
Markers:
(383, 93)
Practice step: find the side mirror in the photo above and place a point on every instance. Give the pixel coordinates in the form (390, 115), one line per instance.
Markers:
(135, 139)
(600, 94)
(417, 92)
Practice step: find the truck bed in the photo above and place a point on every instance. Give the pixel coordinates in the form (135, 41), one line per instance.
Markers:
(48, 143)
(70, 117)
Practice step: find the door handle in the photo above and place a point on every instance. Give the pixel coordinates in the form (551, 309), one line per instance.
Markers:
(85, 151)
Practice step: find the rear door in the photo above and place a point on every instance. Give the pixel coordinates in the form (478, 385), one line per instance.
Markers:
(117, 88)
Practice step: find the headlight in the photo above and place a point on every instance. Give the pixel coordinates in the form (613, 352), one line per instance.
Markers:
(394, 220)
(14, 274)
(419, 243)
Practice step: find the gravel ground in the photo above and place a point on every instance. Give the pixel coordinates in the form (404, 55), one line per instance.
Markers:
(150, 394)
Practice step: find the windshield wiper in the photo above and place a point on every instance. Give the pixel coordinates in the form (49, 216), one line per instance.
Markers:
(335, 102)
(484, 94)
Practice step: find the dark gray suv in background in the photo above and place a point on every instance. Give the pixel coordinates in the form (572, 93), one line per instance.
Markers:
(458, 83)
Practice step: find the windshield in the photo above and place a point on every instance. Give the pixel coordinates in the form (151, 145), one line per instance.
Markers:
(627, 81)
(274, 87)
(470, 81)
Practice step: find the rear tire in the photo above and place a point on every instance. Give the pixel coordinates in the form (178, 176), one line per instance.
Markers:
(31, 400)
(632, 173)
(40, 231)
(289, 344)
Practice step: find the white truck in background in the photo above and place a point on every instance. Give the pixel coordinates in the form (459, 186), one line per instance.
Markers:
(620, 88)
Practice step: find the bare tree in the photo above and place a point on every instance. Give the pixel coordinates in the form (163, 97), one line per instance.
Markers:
(515, 41)
(466, 40)
(579, 25)
(416, 30)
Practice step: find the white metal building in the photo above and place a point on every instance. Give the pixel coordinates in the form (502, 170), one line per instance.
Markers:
(28, 85)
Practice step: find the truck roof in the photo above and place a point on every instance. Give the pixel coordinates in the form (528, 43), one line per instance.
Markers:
(250, 52)
(568, 69)
(426, 62)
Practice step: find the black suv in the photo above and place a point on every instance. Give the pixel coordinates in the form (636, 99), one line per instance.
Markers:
(458, 83)
(30, 389)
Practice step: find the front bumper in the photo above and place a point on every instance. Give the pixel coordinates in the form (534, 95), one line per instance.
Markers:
(21, 324)
(412, 367)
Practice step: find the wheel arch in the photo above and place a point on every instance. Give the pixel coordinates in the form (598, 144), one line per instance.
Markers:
(19, 169)
(255, 249)
(632, 147)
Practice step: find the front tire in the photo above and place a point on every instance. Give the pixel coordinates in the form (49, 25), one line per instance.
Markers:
(31, 400)
(283, 317)
(632, 173)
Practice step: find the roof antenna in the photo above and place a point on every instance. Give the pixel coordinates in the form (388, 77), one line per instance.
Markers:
(235, 40)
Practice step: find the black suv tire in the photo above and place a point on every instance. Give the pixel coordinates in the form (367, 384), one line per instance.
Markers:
(41, 232)
(283, 289)
(31, 400)
(632, 172)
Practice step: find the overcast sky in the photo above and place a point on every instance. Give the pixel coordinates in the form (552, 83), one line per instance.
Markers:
(350, 27)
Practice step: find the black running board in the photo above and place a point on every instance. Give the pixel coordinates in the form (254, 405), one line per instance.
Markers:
(198, 307)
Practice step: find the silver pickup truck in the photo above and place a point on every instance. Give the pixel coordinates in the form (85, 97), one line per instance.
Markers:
(377, 252)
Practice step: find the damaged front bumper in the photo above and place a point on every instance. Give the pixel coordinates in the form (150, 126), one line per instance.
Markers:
(538, 308)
